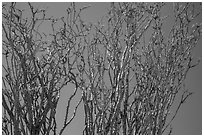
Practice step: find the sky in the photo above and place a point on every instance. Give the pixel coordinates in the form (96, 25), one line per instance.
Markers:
(189, 118)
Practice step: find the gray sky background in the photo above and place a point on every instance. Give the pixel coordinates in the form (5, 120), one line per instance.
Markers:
(189, 118)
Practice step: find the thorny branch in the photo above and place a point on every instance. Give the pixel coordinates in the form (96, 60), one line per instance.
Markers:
(127, 85)
(38, 67)
(132, 84)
